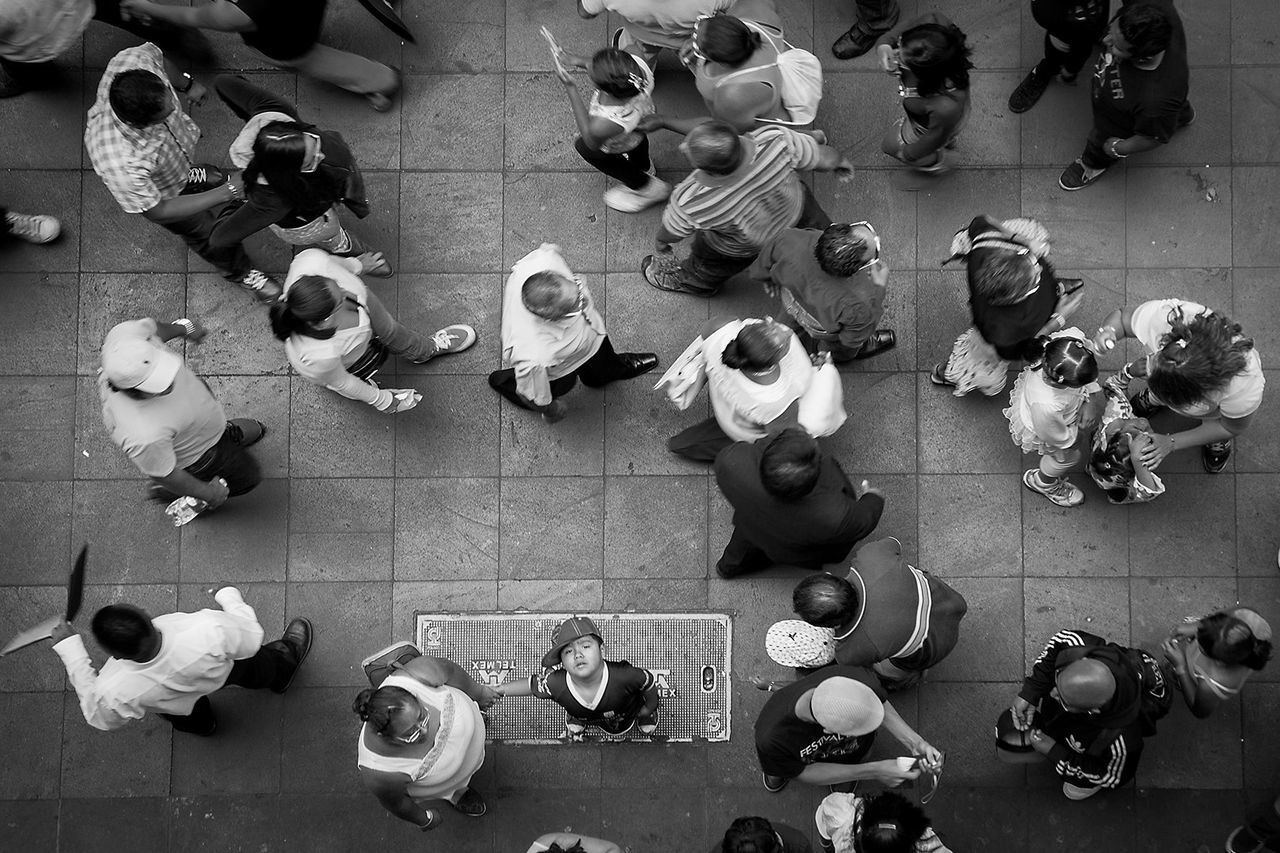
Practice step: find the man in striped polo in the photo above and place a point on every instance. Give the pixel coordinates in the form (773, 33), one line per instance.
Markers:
(743, 192)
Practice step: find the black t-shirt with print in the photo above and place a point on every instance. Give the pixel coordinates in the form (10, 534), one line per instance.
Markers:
(786, 744)
(286, 29)
(622, 698)
(1128, 100)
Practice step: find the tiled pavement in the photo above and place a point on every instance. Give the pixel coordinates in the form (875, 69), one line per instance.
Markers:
(468, 504)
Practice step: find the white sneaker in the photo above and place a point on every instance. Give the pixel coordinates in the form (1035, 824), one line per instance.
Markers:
(1061, 491)
(1076, 792)
(626, 200)
(35, 227)
(449, 340)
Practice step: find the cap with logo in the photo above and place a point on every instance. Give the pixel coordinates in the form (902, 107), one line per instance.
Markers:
(796, 643)
(566, 632)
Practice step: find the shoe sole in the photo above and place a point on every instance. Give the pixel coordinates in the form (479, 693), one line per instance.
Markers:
(1063, 502)
(773, 790)
(311, 636)
(940, 381)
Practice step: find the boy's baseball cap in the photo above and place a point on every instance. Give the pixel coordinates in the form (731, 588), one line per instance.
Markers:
(847, 707)
(793, 642)
(566, 632)
(136, 363)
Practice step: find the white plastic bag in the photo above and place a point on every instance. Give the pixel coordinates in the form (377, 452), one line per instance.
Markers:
(822, 405)
(686, 376)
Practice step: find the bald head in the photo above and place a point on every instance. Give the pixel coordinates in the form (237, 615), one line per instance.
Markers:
(1085, 685)
(714, 146)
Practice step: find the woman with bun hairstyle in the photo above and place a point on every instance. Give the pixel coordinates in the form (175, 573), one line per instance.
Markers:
(757, 370)
(931, 61)
(1213, 656)
(337, 333)
(1054, 401)
(423, 739)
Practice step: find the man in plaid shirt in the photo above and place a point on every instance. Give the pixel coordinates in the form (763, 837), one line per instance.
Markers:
(141, 142)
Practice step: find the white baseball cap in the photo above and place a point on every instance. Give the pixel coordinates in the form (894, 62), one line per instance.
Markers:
(793, 642)
(138, 364)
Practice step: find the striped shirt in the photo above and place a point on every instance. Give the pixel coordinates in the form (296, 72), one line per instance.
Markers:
(141, 166)
(740, 212)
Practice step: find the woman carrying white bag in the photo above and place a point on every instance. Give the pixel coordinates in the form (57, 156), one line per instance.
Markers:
(760, 380)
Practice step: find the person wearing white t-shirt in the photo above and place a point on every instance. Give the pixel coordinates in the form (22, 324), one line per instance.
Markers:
(1200, 365)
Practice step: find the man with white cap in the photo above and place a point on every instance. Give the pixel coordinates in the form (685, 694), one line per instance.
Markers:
(167, 421)
(819, 729)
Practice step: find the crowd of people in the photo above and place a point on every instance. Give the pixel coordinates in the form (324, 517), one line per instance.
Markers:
(870, 624)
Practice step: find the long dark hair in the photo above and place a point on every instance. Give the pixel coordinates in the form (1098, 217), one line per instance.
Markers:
(938, 57)
(728, 40)
(1197, 357)
(375, 707)
(1227, 638)
(308, 300)
(279, 151)
(758, 346)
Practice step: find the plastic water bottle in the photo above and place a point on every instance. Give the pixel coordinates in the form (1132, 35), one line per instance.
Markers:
(185, 509)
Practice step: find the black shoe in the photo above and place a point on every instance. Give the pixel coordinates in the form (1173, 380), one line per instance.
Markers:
(1143, 405)
(637, 363)
(250, 434)
(1075, 177)
(204, 177)
(471, 803)
(880, 340)
(1215, 455)
(297, 636)
(853, 44)
(774, 784)
(1068, 286)
(1028, 92)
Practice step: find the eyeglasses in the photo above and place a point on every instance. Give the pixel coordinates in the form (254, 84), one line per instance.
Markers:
(316, 158)
(419, 730)
(875, 241)
(694, 50)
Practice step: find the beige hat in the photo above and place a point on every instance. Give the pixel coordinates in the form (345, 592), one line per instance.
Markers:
(846, 707)
(796, 643)
(139, 364)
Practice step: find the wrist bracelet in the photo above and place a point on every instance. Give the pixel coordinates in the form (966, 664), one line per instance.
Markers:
(1062, 321)
(191, 81)
(1114, 153)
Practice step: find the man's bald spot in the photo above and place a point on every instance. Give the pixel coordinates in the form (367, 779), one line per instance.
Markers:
(1087, 683)
(715, 147)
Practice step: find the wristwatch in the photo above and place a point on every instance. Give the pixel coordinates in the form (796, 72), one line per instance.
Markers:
(191, 81)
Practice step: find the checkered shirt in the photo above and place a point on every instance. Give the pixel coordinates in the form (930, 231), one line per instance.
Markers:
(140, 166)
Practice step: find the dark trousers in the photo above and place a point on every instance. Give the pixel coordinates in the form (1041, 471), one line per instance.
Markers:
(195, 231)
(876, 16)
(630, 167)
(270, 666)
(700, 442)
(230, 460)
(247, 100)
(1070, 60)
(1095, 158)
(1264, 822)
(599, 370)
(706, 269)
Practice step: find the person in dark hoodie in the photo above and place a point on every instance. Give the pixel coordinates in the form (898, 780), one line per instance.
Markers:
(1086, 707)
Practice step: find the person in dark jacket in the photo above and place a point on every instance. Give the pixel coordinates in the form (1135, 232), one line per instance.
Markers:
(1086, 706)
(1072, 28)
(912, 624)
(295, 176)
(792, 504)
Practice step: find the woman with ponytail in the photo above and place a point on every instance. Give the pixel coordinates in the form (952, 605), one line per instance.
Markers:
(423, 739)
(337, 333)
(757, 370)
(1213, 656)
(295, 176)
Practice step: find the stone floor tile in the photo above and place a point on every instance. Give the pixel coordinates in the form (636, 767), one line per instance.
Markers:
(886, 443)
(53, 193)
(22, 606)
(989, 648)
(38, 516)
(956, 540)
(1208, 27)
(120, 823)
(645, 321)
(1159, 604)
(341, 530)
(949, 205)
(536, 812)
(108, 299)
(245, 540)
(1253, 206)
(540, 128)
(131, 541)
(1085, 229)
(447, 596)
(331, 436)
(791, 807)
(655, 527)
(317, 739)
(37, 319)
(345, 821)
(231, 762)
(519, 768)
(553, 595)
(452, 122)
(44, 128)
(1254, 33)
(629, 238)
(462, 541)
(131, 762)
(447, 221)
(239, 340)
(637, 423)
(900, 318)
(1261, 317)
(36, 427)
(942, 314)
(527, 51)
(1097, 605)
(1185, 819)
(1260, 452)
(968, 743)
(973, 819)
(531, 447)
(643, 596)
(1053, 133)
(901, 512)
(1257, 500)
(348, 28)
(348, 617)
(1209, 140)
(1104, 825)
(1262, 594)
(1194, 227)
(992, 135)
(1261, 703)
(115, 241)
(858, 110)
(1188, 753)
(564, 208)
(376, 136)
(455, 38)
(551, 528)
(966, 435)
(33, 722)
(991, 29)
(643, 765)
(1087, 540)
(1207, 548)
(668, 817)
(431, 302)
(872, 196)
(224, 822)
(452, 433)
(36, 822)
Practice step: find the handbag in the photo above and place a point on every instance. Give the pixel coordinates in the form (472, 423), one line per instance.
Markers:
(686, 376)
(381, 664)
(822, 404)
(373, 357)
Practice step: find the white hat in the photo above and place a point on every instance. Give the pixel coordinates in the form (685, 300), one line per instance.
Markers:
(846, 707)
(139, 364)
(796, 643)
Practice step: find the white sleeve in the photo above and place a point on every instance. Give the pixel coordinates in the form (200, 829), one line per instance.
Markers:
(240, 625)
(98, 711)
